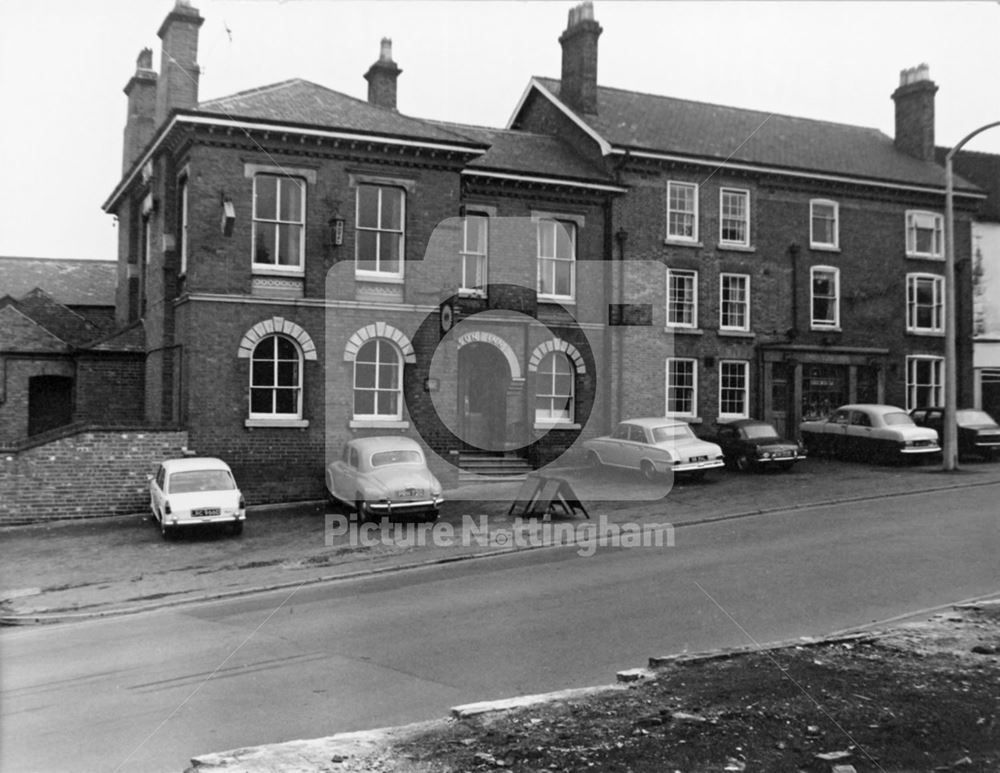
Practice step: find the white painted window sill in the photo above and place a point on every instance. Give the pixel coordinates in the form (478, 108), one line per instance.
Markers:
(277, 423)
(378, 424)
(689, 331)
(550, 425)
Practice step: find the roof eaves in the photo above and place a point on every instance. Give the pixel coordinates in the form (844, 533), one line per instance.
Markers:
(534, 83)
(970, 192)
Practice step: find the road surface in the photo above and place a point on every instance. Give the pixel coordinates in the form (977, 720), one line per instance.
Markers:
(147, 692)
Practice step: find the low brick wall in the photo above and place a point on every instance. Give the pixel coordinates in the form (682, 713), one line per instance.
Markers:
(83, 472)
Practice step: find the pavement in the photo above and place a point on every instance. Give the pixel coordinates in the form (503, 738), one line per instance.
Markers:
(73, 570)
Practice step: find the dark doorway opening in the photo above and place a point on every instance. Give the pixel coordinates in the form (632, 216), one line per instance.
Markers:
(50, 403)
(483, 379)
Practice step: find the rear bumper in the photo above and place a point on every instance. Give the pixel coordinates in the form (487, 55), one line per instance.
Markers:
(191, 520)
(912, 450)
(709, 464)
(389, 509)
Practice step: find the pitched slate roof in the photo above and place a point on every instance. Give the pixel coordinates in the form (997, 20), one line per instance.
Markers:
(638, 121)
(62, 322)
(518, 152)
(70, 282)
(302, 102)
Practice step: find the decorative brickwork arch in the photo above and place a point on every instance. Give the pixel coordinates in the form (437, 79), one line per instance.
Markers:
(379, 330)
(277, 326)
(556, 345)
(478, 336)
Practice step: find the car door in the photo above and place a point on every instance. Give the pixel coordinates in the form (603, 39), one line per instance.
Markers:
(861, 441)
(728, 439)
(637, 447)
(156, 495)
(615, 450)
(343, 479)
(835, 432)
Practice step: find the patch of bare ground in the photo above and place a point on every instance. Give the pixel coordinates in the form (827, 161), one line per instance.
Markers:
(921, 697)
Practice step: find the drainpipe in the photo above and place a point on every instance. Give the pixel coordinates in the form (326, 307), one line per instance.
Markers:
(793, 253)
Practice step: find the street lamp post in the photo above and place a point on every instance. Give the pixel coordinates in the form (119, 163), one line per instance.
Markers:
(950, 439)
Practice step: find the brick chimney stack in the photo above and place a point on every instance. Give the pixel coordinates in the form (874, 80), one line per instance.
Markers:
(178, 86)
(579, 59)
(381, 78)
(140, 121)
(915, 112)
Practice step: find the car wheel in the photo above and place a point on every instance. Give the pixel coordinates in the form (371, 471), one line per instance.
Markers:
(236, 528)
(362, 511)
(648, 471)
(593, 460)
(744, 463)
(168, 532)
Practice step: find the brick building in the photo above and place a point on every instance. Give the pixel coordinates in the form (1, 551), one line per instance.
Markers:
(307, 266)
(59, 354)
(788, 265)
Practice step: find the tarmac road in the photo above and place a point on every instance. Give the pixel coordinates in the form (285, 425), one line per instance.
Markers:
(154, 689)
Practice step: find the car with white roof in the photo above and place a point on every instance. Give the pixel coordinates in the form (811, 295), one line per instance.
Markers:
(655, 446)
(384, 476)
(195, 490)
(871, 432)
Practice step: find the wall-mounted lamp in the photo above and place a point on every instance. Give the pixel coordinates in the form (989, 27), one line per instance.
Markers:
(228, 217)
(336, 225)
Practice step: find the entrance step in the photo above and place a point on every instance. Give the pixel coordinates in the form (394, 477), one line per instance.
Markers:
(476, 465)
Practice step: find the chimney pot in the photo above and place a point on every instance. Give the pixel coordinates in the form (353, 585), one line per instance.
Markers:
(382, 76)
(915, 112)
(579, 59)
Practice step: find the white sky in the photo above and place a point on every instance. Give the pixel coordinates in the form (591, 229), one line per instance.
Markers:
(64, 63)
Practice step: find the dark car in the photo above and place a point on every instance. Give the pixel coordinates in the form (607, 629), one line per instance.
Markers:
(748, 444)
(978, 434)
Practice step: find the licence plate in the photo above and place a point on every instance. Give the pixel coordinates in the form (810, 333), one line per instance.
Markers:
(410, 492)
(699, 458)
(206, 512)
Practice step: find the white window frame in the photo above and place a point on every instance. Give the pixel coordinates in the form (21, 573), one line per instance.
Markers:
(544, 220)
(936, 383)
(925, 220)
(912, 309)
(669, 373)
(815, 324)
(275, 386)
(739, 193)
(482, 258)
(814, 242)
(745, 279)
(743, 389)
(275, 267)
(381, 344)
(693, 187)
(693, 277)
(547, 418)
(380, 232)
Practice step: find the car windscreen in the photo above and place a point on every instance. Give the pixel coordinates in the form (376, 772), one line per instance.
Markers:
(200, 480)
(892, 419)
(967, 418)
(760, 432)
(383, 458)
(674, 432)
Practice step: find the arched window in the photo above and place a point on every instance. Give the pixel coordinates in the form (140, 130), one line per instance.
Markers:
(554, 389)
(378, 381)
(276, 379)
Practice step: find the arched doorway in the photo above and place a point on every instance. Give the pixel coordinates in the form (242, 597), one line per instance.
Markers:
(483, 379)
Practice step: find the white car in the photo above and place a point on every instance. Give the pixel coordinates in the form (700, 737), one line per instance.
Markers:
(869, 431)
(384, 477)
(195, 490)
(655, 446)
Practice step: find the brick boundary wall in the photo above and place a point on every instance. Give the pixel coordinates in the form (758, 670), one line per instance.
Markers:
(83, 472)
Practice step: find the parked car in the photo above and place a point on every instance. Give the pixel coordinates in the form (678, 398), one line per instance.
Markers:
(749, 444)
(978, 434)
(872, 432)
(195, 490)
(384, 476)
(655, 446)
